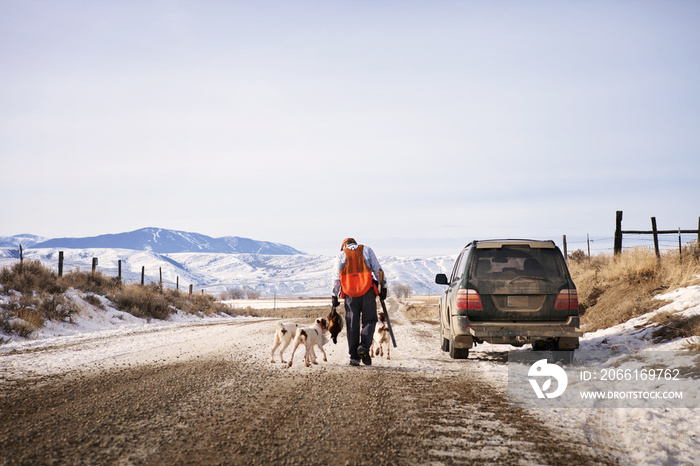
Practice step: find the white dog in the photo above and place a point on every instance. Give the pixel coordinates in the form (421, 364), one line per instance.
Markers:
(381, 337)
(283, 337)
(310, 337)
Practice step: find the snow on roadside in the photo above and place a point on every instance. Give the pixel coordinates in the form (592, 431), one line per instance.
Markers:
(276, 303)
(633, 334)
(104, 338)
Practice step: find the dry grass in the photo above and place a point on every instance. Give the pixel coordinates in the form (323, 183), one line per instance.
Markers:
(30, 276)
(422, 309)
(37, 294)
(32, 318)
(693, 345)
(671, 327)
(142, 301)
(614, 289)
(152, 302)
(90, 282)
(55, 307)
(200, 304)
(26, 312)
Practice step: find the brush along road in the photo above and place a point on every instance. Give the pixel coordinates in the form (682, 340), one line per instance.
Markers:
(207, 394)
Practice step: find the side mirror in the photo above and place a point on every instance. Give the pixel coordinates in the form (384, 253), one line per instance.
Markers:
(441, 279)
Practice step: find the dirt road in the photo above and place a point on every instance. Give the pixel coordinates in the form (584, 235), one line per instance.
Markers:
(231, 408)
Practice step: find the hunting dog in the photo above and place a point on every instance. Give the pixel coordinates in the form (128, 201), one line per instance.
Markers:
(283, 336)
(315, 335)
(381, 337)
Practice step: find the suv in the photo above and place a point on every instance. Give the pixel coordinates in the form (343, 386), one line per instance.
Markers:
(509, 292)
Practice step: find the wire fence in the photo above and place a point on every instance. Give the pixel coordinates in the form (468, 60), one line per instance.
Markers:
(655, 232)
(654, 239)
(606, 244)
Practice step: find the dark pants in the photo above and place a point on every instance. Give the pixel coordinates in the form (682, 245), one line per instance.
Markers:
(362, 310)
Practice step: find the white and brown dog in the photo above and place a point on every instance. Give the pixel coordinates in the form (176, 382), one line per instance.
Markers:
(381, 337)
(283, 336)
(315, 335)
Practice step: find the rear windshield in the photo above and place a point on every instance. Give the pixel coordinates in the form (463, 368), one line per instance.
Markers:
(518, 261)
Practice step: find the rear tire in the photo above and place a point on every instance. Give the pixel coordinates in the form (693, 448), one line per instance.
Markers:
(543, 345)
(458, 353)
(445, 344)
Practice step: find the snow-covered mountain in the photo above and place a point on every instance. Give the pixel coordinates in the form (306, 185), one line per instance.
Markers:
(159, 240)
(26, 240)
(297, 275)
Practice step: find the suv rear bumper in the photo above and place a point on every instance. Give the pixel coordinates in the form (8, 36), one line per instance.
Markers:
(514, 333)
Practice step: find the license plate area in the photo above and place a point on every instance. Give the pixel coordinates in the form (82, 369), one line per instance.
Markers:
(518, 301)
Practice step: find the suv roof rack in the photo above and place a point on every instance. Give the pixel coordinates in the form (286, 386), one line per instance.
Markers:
(499, 243)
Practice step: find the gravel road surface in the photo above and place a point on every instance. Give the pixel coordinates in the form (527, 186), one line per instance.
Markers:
(208, 400)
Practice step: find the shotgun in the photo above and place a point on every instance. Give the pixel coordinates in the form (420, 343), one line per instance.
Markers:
(386, 314)
(388, 322)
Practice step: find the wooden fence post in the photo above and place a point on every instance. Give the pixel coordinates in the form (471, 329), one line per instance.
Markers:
(177, 283)
(21, 254)
(120, 270)
(190, 289)
(563, 240)
(655, 232)
(94, 264)
(60, 263)
(588, 242)
(143, 274)
(680, 248)
(160, 282)
(618, 232)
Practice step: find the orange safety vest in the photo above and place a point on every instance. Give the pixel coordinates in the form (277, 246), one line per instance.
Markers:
(355, 276)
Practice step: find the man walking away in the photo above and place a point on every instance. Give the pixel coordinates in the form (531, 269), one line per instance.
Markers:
(356, 275)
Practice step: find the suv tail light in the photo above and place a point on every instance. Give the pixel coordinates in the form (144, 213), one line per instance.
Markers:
(566, 300)
(468, 299)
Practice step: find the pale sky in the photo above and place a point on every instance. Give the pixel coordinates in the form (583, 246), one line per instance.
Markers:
(413, 126)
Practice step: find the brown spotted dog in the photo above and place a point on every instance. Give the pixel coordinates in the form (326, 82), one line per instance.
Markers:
(315, 335)
(283, 336)
(381, 337)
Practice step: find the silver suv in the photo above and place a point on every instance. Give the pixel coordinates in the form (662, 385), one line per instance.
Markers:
(511, 292)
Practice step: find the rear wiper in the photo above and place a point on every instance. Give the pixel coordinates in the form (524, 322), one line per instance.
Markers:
(528, 276)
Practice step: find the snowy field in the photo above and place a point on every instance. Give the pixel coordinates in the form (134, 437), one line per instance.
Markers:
(276, 303)
(101, 340)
